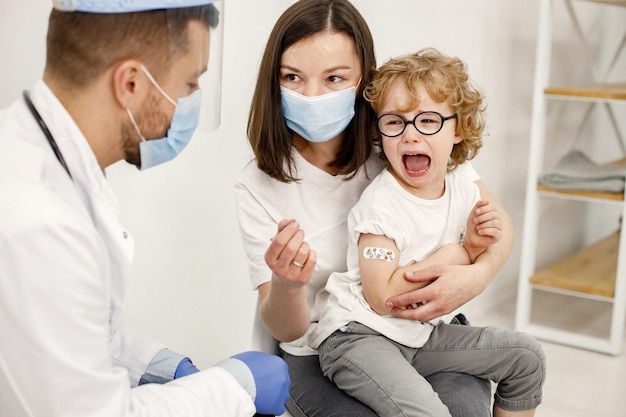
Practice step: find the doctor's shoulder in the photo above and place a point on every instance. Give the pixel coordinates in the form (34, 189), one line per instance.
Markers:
(35, 191)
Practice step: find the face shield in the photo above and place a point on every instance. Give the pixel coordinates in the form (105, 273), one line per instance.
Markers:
(211, 81)
(199, 52)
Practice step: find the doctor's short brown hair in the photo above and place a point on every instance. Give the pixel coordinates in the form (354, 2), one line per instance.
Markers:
(81, 46)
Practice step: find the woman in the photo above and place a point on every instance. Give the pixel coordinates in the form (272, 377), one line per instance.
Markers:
(311, 131)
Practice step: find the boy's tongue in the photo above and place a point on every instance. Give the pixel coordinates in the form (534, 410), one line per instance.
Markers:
(416, 163)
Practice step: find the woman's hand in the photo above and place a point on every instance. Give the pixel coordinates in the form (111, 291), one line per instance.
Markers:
(284, 308)
(290, 258)
(452, 286)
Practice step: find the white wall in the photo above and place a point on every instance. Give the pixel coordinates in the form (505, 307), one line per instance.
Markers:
(190, 286)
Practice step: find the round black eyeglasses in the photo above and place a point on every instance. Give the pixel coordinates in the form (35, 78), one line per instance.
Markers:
(427, 123)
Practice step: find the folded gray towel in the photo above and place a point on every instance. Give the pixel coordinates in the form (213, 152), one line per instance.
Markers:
(576, 171)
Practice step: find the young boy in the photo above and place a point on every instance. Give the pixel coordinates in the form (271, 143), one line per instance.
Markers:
(420, 211)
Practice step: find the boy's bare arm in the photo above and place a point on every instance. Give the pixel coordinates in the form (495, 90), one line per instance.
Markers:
(381, 275)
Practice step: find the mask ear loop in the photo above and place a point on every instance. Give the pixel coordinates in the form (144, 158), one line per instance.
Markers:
(156, 85)
(132, 120)
(358, 85)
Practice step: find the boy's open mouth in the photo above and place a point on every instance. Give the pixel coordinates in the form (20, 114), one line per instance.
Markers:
(416, 163)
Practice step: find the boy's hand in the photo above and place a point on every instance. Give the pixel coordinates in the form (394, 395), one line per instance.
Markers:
(484, 228)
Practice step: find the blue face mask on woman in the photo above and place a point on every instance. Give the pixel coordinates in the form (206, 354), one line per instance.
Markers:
(319, 118)
(183, 125)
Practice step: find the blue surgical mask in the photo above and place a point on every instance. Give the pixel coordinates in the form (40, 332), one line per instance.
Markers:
(183, 125)
(319, 118)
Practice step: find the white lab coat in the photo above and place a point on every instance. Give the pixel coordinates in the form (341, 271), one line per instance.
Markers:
(64, 263)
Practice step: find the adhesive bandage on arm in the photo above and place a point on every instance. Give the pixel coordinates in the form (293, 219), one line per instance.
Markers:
(379, 253)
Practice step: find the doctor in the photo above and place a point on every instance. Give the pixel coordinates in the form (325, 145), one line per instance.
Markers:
(121, 81)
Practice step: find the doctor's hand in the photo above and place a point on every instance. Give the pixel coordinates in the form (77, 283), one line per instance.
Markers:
(184, 368)
(290, 258)
(264, 376)
(452, 287)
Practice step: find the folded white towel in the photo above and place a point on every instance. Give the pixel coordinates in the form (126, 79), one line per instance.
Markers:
(576, 171)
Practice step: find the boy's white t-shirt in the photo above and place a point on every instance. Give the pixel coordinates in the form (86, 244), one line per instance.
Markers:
(419, 228)
(320, 202)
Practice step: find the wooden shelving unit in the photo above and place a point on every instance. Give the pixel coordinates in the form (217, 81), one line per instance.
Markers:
(593, 91)
(591, 270)
(598, 271)
(600, 195)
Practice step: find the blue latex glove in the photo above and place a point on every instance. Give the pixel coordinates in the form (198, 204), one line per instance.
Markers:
(184, 368)
(271, 380)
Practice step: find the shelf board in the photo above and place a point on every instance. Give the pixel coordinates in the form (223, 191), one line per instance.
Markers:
(591, 270)
(593, 91)
(601, 195)
(615, 2)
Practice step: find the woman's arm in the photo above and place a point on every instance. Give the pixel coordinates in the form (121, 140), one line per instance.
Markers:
(283, 306)
(454, 285)
(382, 277)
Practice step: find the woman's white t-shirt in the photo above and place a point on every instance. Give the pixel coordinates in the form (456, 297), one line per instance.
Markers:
(320, 202)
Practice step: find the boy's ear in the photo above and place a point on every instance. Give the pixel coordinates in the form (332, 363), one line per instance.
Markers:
(458, 138)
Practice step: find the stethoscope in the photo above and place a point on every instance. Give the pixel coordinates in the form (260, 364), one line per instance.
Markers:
(46, 131)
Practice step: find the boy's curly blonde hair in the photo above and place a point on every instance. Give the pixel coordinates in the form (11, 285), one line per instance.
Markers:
(445, 79)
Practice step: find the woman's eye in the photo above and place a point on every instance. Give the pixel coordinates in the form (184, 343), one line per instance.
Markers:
(291, 77)
(334, 79)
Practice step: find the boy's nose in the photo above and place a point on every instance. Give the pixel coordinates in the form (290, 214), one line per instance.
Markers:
(411, 134)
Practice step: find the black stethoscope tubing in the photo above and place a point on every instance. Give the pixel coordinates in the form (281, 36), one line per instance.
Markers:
(46, 131)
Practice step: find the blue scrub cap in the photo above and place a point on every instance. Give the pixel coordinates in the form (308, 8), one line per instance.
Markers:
(123, 6)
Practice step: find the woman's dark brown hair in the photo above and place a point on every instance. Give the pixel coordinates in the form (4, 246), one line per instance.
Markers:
(269, 136)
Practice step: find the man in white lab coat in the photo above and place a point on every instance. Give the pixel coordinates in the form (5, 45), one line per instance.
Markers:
(120, 82)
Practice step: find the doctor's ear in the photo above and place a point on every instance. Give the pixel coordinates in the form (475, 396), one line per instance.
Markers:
(130, 85)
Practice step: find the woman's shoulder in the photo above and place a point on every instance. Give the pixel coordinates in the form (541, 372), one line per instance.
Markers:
(466, 170)
(374, 165)
(380, 189)
(251, 174)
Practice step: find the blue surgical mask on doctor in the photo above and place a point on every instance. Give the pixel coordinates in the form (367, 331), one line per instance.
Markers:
(183, 125)
(318, 118)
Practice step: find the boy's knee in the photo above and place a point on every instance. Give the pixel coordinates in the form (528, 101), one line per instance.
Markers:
(523, 354)
(535, 350)
(532, 358)
(522, 385)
